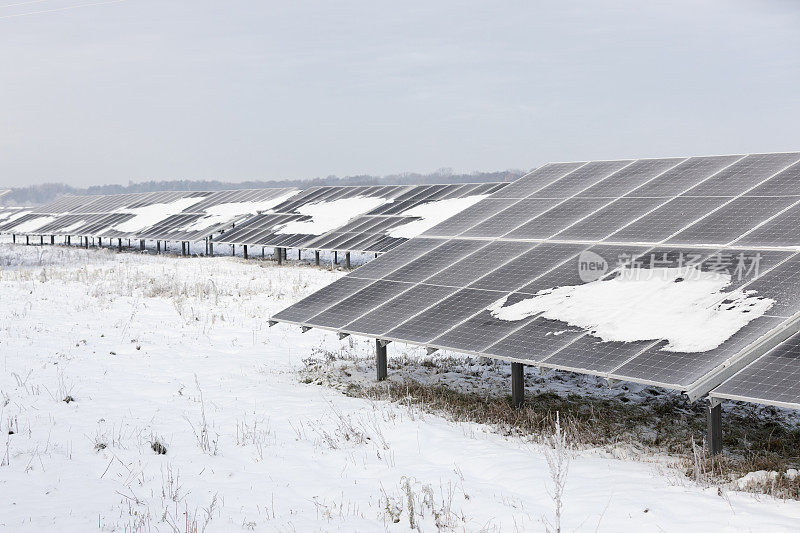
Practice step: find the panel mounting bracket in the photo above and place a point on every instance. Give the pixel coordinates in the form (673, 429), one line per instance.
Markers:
(430, 350)
(384, 342)
(343, 335)
(272, 322)
(305, 328)
(613, 382)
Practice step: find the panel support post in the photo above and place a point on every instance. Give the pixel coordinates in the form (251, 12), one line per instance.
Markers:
(189, 248)
(279, 255)
(380, 359)
(158, 247)
(52, 239)
(714, 437)
(244, 251)
(211, 246)
(262, 252)
(285, 252)
(119, 244)
(517, 385)
(41, 240)
(347, 260)
(141, 244)
(14, 238)
(86, 242)
(336, 257)
(27, 240)
(69, 240)
(233, 249)
(299, 254)
(316, 257)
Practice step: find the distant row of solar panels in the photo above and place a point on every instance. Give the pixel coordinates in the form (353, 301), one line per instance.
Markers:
(366, 219)
(316, 218)
(452, 287)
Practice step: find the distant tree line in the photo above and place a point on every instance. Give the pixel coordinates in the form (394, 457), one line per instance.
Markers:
(48, 192)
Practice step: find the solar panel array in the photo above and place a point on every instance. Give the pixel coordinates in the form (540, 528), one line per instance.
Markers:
(168, 215)
(527, 237)
(384, 227)
(364, 226)
(9, 214)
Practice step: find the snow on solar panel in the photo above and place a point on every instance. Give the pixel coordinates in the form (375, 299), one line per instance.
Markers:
(167, 215)
(597, 267)
(364, 219)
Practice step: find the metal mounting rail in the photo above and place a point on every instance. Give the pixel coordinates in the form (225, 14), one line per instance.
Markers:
(733, 365)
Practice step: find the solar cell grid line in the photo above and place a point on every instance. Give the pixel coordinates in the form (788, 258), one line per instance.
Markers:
(322, 299)
(306, 196)
(608, 219)
(512, 216)
(436, 319)
(553, 217)
(728, 200)
(782, 283)
(533, 340)
(591, 355)
(738, 178)
(479, 330)
(404, 254)
(527, 267)
(697, 169)
(686, 175)
(334, 242)
(733, 220)
(781, 231)
(665, 220)
(359, 303)
(570, 272)
(631, 177)
(560, 217)
(352, 242)
(469, 217)
(374, 243)
(399, 205)
(771, 379)
(473, 266)
(537, 179)
(398, 310)
(685, 366)
(430, 264)
(679, 370)
(785, 183)
(439, 320)
(581, 179)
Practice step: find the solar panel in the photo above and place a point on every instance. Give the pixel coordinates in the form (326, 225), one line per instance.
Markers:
(167, 215)
(408, 215)
(541, 233)
(772, 379)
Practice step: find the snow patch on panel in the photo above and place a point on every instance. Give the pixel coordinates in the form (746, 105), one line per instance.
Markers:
(432, 213)
(685, 306)
(327, 216)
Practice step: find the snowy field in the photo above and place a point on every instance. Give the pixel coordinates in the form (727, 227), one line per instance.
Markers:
(146, 393)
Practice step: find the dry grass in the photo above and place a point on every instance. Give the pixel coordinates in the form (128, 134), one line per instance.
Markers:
(657, 423)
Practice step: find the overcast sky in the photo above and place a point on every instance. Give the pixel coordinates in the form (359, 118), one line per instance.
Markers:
(235, 90)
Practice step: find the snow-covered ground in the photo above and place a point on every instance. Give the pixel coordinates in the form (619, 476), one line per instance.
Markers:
(168, 354)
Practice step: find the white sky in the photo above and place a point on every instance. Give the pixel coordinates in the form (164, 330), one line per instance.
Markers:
(234, 90)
